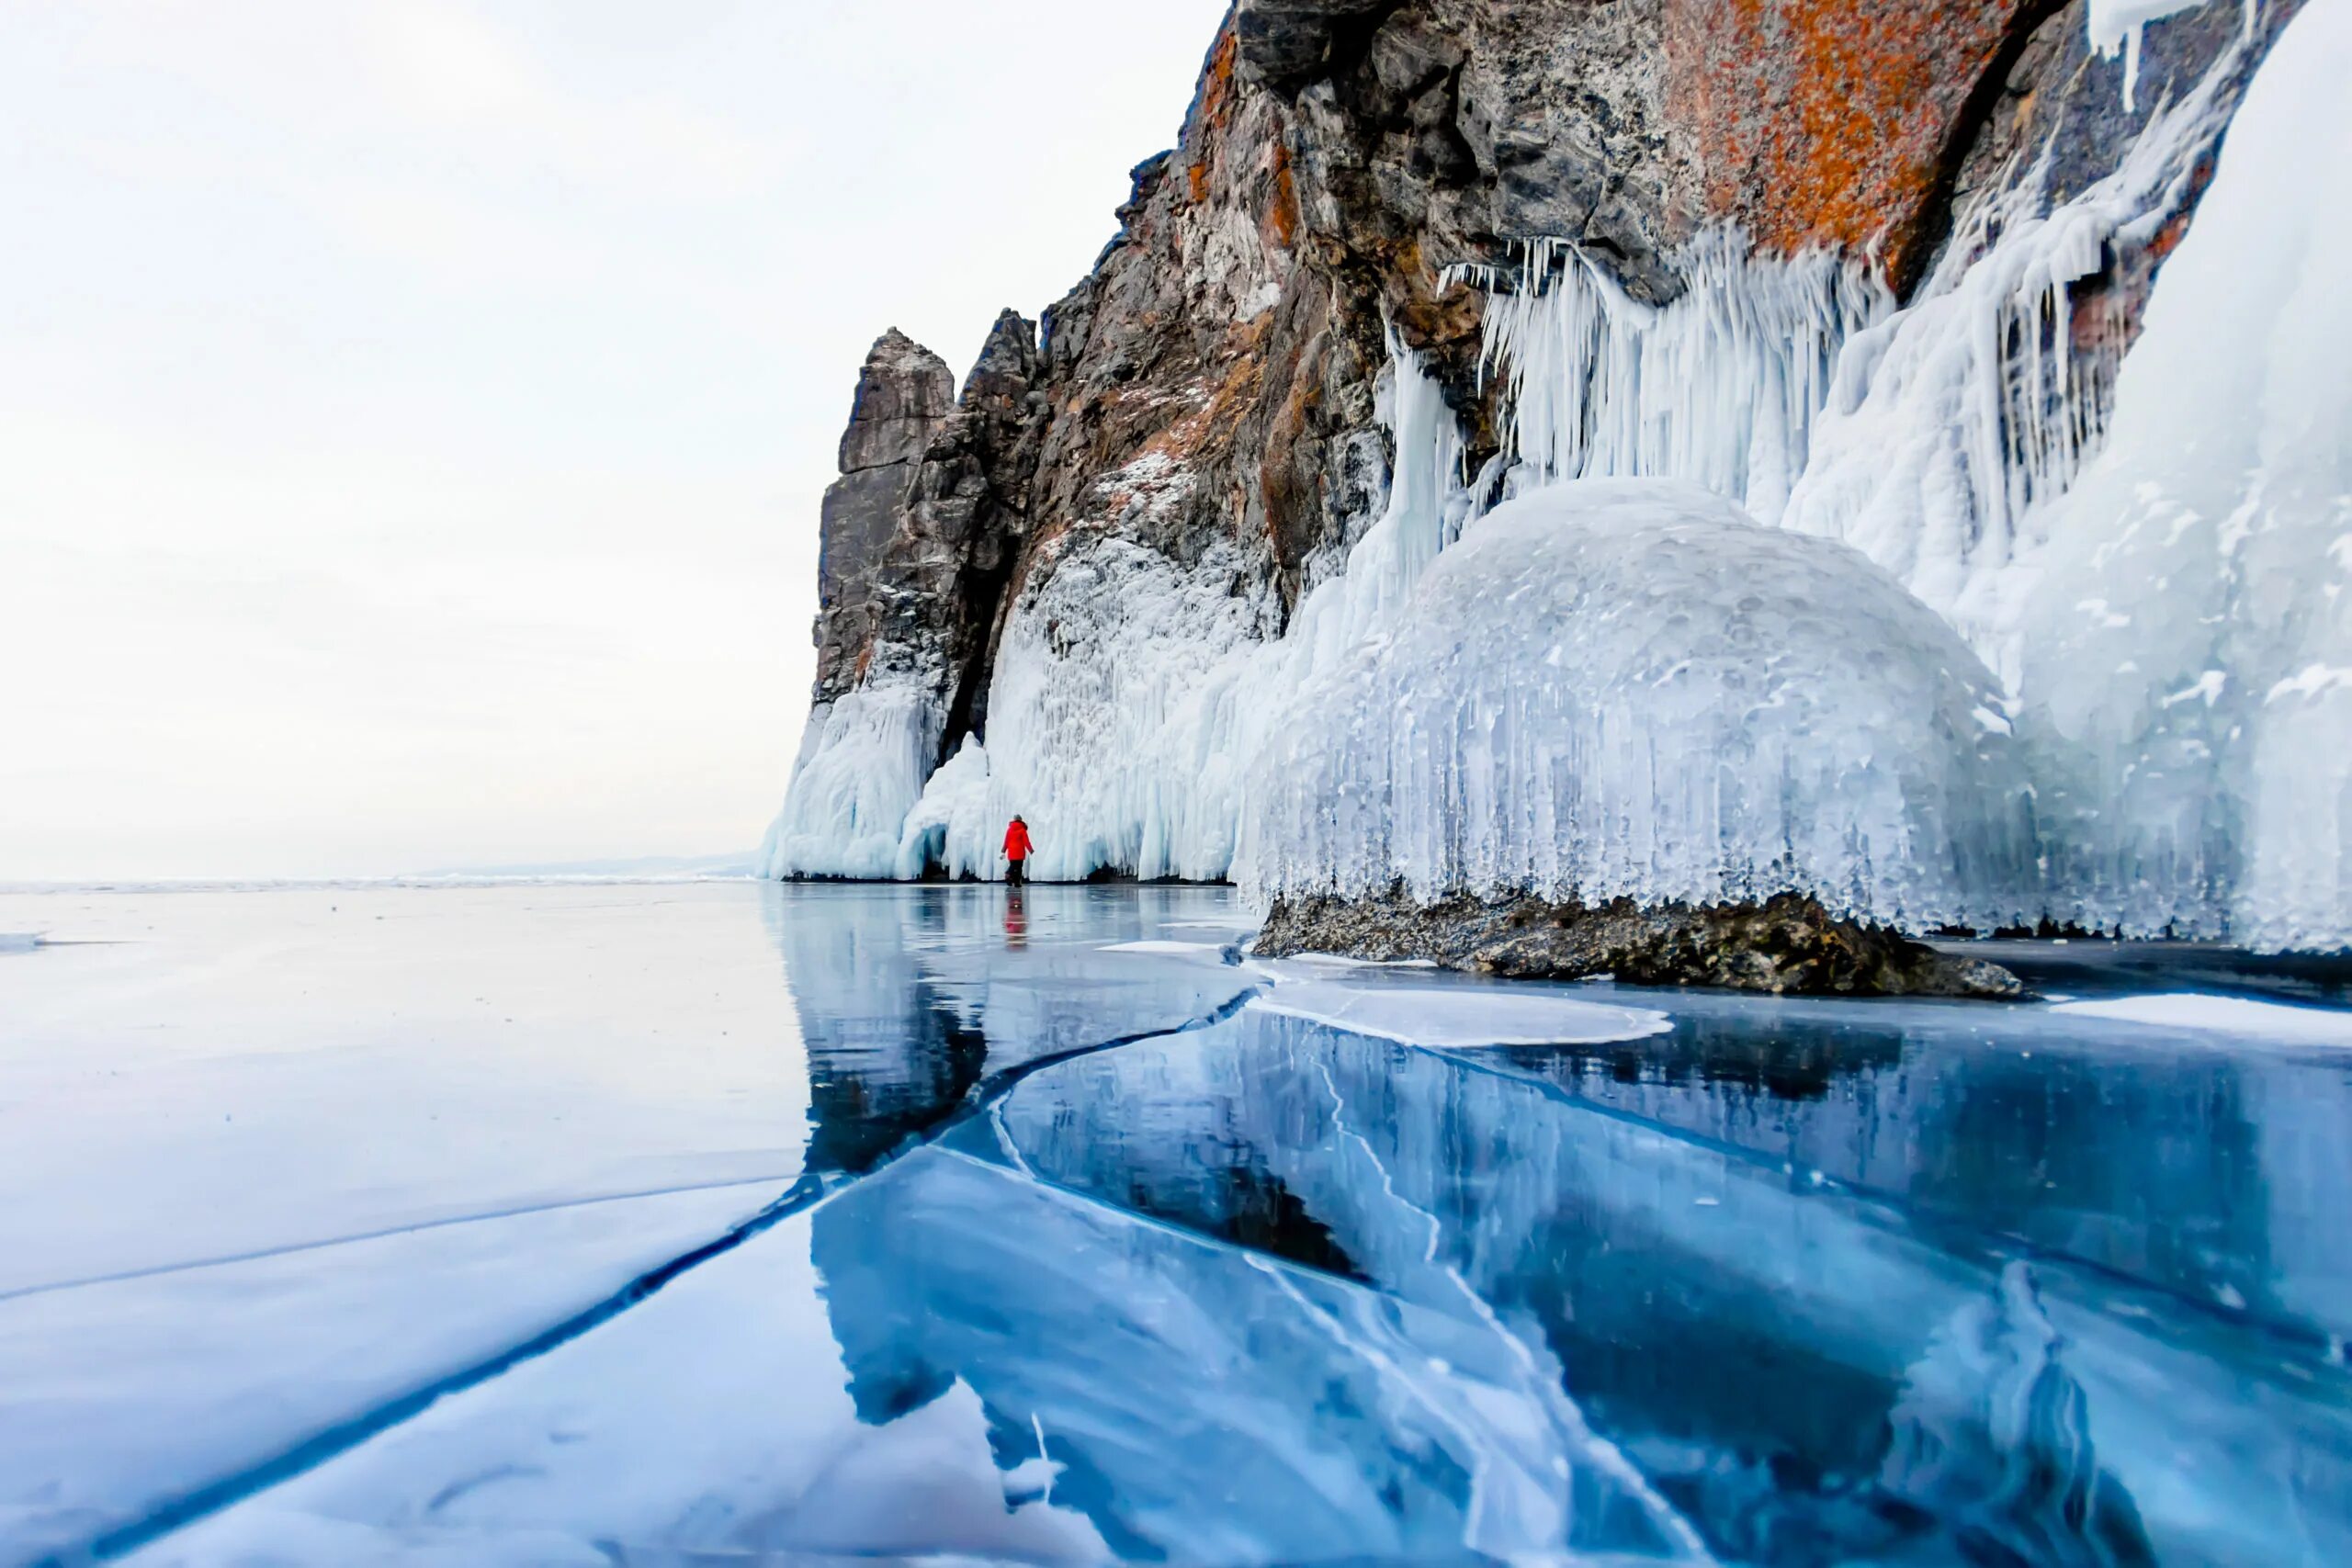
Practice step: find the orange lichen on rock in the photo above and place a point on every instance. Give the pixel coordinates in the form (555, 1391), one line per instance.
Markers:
(1281, 209)
(1215, 109)
(1830, 122)
(1215, 411)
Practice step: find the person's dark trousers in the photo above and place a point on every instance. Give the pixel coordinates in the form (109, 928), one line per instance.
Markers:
(1016, 873)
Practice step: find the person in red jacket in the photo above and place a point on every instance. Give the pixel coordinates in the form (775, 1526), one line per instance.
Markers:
(1017, 850)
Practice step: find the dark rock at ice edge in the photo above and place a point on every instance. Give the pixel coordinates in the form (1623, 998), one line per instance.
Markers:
(1789, 944)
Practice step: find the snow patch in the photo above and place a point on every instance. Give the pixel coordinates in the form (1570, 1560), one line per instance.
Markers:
(1169, 948)
(2274, 1021)
(1462, 1017)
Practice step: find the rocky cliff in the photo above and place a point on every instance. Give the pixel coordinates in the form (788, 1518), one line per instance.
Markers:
(1602, 235)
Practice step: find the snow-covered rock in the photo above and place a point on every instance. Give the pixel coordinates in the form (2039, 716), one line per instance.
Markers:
(2188, 657)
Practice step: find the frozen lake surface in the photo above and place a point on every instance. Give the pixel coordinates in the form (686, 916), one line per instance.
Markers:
(714, 1224)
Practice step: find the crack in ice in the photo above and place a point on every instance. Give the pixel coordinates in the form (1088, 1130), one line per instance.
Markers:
(813, 1188)
(1613, 1460)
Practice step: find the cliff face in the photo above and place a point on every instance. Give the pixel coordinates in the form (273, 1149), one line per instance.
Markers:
(1207, 424)
(919, 530)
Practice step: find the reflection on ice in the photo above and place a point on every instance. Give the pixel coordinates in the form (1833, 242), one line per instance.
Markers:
(2222, 1177)
(908, 998)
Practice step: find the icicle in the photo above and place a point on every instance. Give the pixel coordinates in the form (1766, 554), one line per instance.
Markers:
(2117, 26)
(1719, 387)
(1951, 426)
(2189, 653)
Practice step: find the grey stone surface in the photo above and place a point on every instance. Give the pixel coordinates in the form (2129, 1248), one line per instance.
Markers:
(1789, 945)
(919, 532)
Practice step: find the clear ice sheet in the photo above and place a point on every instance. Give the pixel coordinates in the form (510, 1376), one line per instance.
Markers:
(267, 1158)
(1788, 1282)
(1852, 1360)
(1190, 1402)
(271, 1159)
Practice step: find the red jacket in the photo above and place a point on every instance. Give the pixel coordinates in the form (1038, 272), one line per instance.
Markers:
(1016, 842)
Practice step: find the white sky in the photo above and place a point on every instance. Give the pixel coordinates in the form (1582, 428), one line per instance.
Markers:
(412, 415)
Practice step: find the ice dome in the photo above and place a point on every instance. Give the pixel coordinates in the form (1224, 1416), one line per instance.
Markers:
(1628, 687)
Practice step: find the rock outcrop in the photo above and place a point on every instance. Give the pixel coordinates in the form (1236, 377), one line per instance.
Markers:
(1787, 945)
(919, 532)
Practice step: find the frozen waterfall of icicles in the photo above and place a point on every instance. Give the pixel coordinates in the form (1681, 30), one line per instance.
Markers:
(1134, 697)
(1626, 687)
(1720, 386)
(1950, 425)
